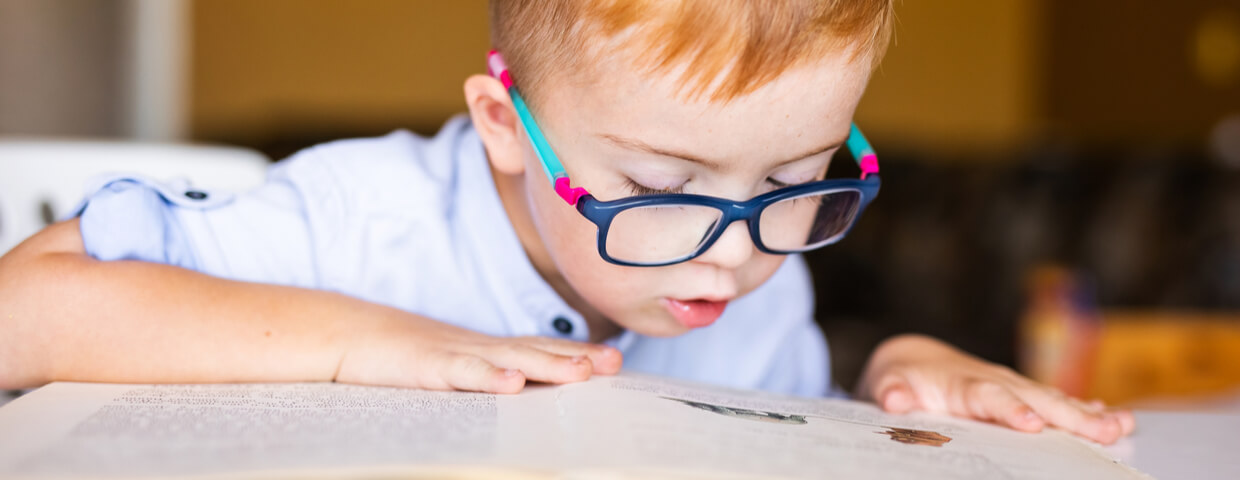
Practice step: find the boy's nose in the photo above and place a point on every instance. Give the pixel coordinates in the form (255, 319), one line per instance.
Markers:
(732, 249)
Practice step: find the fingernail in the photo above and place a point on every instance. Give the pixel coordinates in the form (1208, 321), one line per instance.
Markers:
(896, 400)
(511, 372)
(1032, 416)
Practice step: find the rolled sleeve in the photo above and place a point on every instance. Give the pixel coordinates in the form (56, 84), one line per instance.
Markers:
(133, 218)
(260, 236)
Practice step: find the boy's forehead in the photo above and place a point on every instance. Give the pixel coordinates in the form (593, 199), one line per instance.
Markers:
(619, 98)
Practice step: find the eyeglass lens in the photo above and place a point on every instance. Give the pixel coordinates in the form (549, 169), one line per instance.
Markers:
(800, 223)
(656, 234)
(666, 233)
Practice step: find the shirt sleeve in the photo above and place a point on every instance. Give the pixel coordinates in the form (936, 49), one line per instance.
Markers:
(261, 235)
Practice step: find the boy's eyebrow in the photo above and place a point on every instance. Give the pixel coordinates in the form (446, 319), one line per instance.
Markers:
(635, 144)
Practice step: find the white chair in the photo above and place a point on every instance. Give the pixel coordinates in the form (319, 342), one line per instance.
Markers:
(40, 180)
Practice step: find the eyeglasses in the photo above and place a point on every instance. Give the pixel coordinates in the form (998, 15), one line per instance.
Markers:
(668, 228)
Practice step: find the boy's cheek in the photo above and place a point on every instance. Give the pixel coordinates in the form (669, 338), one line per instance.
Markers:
(757, 271)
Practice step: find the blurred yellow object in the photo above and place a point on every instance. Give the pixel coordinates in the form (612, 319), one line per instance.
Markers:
(1216, 48)
(1161, 354)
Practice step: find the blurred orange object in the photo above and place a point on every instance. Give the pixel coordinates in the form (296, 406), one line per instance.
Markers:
(1166, 354)
(1140, 357)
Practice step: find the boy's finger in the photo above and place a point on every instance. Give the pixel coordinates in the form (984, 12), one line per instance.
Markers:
(606, 360)
(895, 395)
(987, 400)
(1127, 421)
(540, 365)
(1059, 411)
(474, 374)
(1092, 406)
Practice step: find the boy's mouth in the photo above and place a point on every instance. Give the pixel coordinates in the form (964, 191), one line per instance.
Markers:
(695, 313)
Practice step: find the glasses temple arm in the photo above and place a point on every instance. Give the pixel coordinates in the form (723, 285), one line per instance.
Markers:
(862, 152)
(546, 156)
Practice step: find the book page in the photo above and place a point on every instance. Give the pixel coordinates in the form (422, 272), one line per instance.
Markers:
(624, 426)
(678, 426)
(184, 430)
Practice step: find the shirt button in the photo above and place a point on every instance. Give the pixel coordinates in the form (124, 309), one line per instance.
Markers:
(562, 325)
(196, 195)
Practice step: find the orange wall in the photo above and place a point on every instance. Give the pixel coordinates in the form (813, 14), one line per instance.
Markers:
(290, 68)
(961, 75)
(973, 77)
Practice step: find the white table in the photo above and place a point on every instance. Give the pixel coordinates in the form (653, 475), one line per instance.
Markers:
(1172, 445)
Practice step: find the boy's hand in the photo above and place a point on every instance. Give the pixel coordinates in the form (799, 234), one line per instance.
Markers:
(914, 372)
(414, 351)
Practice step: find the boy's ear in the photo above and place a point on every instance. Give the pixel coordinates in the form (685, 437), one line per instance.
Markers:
(496, 121)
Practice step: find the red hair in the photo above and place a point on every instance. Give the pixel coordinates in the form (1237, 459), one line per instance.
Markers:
(727, 48)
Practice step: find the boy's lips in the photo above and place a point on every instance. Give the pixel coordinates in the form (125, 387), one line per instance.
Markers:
(695, 313)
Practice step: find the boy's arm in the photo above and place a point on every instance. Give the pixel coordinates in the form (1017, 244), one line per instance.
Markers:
(67, 316)
(915, 372)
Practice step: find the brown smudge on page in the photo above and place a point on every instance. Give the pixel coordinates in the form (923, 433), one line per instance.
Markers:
(916, 437)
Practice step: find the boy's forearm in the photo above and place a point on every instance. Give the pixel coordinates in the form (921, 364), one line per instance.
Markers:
(69, 317)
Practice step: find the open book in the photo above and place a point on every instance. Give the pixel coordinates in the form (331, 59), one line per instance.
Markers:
(626, 426)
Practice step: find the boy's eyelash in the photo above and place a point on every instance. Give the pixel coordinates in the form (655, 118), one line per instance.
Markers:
(776, 183)
(639, 189)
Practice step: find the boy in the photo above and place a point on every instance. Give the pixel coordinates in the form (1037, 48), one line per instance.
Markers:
(455, 263)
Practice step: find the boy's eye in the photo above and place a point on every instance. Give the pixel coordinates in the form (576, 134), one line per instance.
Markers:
(796, 179)
(639, 189)
(776, 183)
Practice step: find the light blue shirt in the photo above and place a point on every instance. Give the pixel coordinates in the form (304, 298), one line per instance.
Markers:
(415, 223)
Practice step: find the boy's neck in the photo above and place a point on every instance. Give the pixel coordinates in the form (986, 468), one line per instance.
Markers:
(512, 195)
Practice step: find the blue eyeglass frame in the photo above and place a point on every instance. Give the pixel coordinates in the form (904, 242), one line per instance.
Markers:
(601, 213)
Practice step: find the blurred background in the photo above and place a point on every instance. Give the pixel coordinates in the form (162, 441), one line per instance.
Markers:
(1061, 177)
